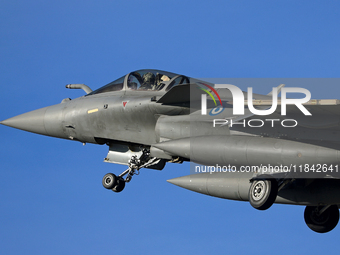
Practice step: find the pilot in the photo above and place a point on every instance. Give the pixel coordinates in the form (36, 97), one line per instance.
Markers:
(131, 84)
(148, 81)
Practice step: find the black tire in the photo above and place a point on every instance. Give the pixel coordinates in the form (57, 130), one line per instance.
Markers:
(120, 185)
(262, 193)
(109, 181)
(322, 223)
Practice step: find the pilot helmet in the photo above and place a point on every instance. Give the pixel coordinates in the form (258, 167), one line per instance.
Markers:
(149, 78)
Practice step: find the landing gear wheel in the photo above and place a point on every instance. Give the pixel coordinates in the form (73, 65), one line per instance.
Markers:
(323, 222)
(117, 183)
(109, 181)
(120, 185)
(262, 193)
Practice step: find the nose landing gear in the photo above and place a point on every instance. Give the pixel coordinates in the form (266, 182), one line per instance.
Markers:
(117, 183)
(109, 181)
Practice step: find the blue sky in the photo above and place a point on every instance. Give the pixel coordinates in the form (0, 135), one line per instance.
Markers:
(52, 200)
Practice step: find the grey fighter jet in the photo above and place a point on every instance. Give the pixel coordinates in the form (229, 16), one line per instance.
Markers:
(241, 146)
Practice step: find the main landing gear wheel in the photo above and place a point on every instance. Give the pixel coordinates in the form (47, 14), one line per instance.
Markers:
(321, 220)
(262, 193)
(109, 181)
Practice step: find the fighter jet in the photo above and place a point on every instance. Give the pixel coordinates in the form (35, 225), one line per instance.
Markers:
(242, 146)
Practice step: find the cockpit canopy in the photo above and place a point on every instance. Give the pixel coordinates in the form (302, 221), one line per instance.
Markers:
(145, 80)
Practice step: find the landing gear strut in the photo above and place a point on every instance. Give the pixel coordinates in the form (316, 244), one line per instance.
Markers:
(321, 219)
(117, 183)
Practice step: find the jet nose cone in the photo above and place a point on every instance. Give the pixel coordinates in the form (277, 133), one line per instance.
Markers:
(31, 121)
